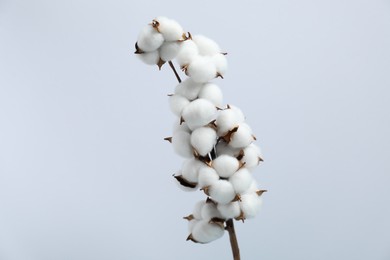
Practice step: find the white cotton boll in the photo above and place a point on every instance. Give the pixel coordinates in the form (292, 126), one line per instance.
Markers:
(250, 204)
(149, 39)
(203, 140)
(239, 114)
(226, 120)
(177, 103)
(199, 113)
(170, 29)
(205, 45)
(253, 188)
(225, 165)
(169, 50)
(212, 93)
(224, 148)
(150, 58)
(197, 211)
(222, 191)
(190, 169)
(209, 211)
(187, 53)
(180, 127)
(230, 210)
(242, 137)
(191, 225)
(201, 69)
(207, 176)
(181, 142)
(252, 153)
(241, 180)
(205, 232)
(221, 64)
(189, 89)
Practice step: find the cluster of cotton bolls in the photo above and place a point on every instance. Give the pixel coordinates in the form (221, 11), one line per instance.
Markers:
(214, 139)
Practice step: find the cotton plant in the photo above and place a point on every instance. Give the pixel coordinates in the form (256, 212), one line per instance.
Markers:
(213, 138)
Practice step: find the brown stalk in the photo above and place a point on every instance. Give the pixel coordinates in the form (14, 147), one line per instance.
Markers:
(233, 239)
(174, 71)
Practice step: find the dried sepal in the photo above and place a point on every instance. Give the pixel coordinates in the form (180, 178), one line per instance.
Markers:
(185, 182)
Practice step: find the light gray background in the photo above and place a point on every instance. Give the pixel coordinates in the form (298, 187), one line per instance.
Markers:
(85, 174)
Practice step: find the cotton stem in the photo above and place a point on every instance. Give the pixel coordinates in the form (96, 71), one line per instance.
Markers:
(233, 239)
(174, 71)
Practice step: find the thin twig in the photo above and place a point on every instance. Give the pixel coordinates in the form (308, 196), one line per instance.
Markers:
(174, 71)
(233, 239)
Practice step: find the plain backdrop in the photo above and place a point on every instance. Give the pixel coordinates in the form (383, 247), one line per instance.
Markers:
(85, 173)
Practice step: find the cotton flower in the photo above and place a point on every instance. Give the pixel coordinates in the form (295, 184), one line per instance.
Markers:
(220, 63)
(189, 89)
(241, 180)
(230, 210)
(150, 58)
(199, 113)
(242, 137)
(190, 169)
(225, 165)
(212, 93)
(209, 211)
(149, 39)
(221, 191)
(201, 69)
(206, 46)
(224, 148)
(205, 232)
(203, 140)
(181, 142)
(170, 29)
(226, 120)
(187, 53)
(252, 156)
(207, 176)
(177, 103)
(250, 205)
(169, 50)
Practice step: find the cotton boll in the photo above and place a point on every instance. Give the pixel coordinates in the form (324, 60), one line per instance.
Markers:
(201, 69)
(197, 211)
(169, 50)
(189, 89)
(222, 191)
(252, 153)
(187, 53)
(225, 165)
(149, 39)
(191, 224)
(203, 140)
(177, 103)
(205, 45)
(250, 205)
(242, 137)
(209, 211)
(224, 148)
(190, 169)
(241, 180)
(207, 176)
(181, 142)
(221, 64)
(212, 93)
(239, 114)
(226, 120)
(230, 210)
(205, 232)
(170, 29)
(199, 113)
(150, 58)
